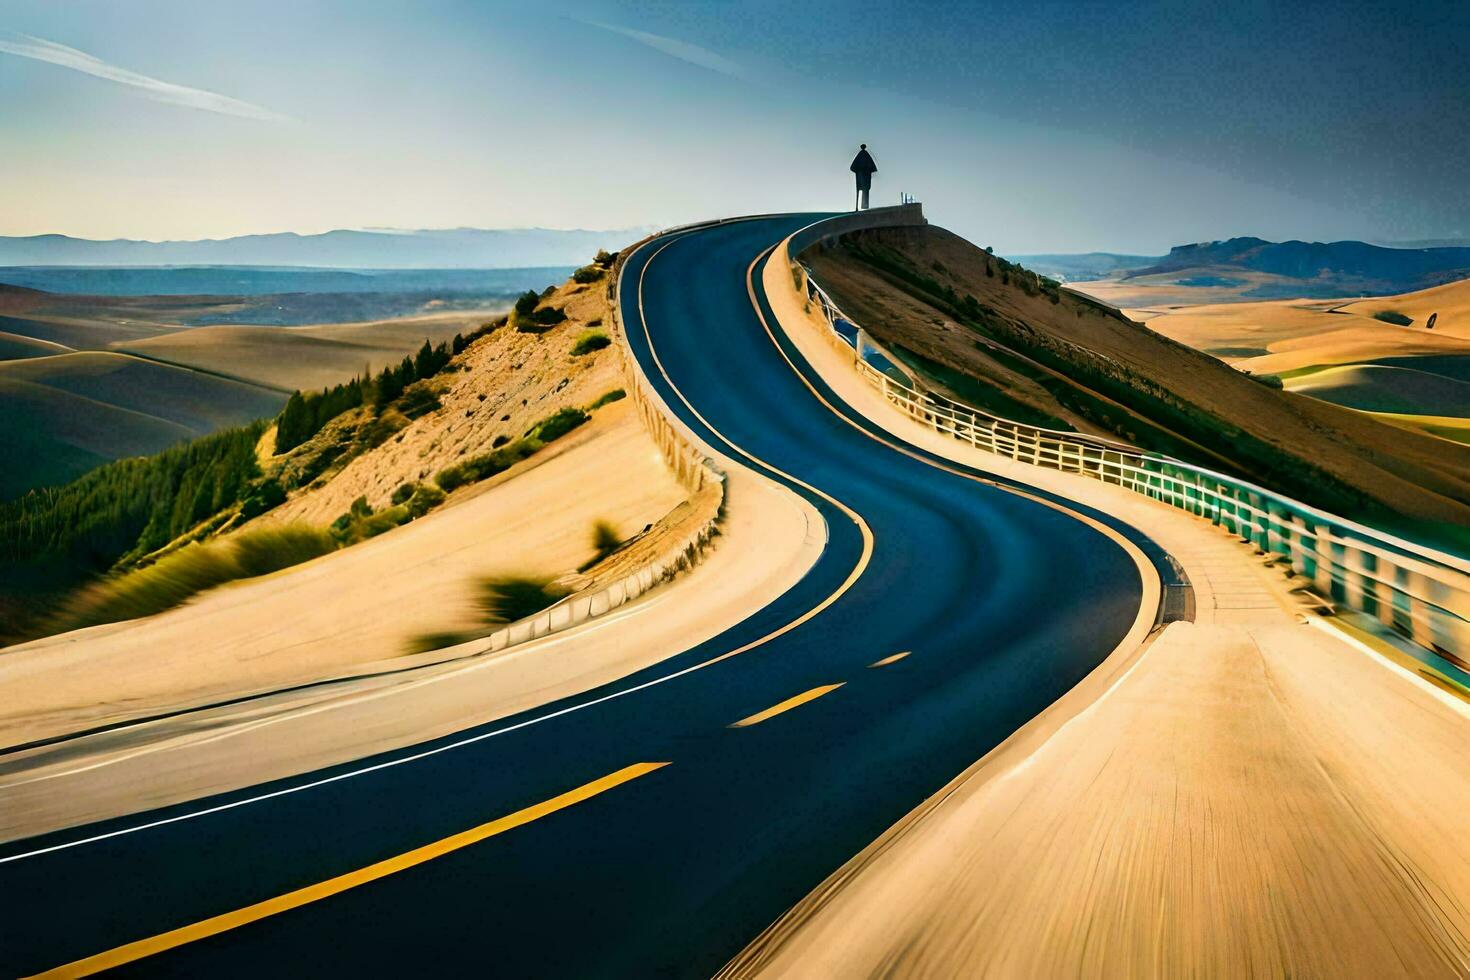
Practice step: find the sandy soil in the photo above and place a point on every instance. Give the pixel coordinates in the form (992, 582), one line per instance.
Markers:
(358, 606)
(1250, 795)
(509, 381)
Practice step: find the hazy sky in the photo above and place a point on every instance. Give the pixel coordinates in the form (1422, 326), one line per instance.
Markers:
(1032, 127)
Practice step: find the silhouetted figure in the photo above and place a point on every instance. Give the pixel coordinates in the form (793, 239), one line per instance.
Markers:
(865, 168)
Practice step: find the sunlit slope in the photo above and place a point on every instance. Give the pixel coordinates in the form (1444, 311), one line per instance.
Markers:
(301, 357)
(1275, 337)
(937, 295)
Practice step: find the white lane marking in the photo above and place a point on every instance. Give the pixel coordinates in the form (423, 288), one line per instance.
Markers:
(260, 798)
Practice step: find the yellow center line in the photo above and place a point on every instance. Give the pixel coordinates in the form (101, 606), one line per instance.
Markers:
(333, 886)
(895, 658)
(786, 705)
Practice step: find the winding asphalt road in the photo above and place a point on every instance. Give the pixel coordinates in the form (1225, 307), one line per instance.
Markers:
(538, 845)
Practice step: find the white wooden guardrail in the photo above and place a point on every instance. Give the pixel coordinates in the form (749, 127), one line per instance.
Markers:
(1421, 593)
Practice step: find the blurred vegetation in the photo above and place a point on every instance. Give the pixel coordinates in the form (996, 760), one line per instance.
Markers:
(607, 398)
(498, 600)
(190, 570)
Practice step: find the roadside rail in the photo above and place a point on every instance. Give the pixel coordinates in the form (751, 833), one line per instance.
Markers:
(1418, 592)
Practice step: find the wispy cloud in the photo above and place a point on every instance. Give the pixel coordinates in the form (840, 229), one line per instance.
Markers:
(39, 49)
(683, 50)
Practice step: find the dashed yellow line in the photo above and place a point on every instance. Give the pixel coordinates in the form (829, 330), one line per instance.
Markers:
(334, 886)
(786, 705)
(895, 658)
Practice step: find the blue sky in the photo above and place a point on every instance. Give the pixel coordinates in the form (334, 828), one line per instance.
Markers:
(1031, 127)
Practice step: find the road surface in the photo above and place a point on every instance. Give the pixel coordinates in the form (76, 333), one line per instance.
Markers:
(655, 826)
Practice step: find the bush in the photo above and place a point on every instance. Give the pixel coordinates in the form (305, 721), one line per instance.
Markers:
(425, 498)
(381, 429)
(558, 424)
(483, 467)
(540, 321)
(191, 570)
(500, 600)
(527, 302)
(1395, 317)
(419, 399)
(404, 491)
(607, 397)
(589, 341)
(588, 273)
(267, 495)
(270, 549)
(605, 258)
(513, 597)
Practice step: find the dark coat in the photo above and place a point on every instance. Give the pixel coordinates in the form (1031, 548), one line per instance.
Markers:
(865, 168)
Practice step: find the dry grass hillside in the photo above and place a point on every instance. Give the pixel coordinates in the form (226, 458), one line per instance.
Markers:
(491, 395)
(1377, 355)
(1046, 353)
(413, 548)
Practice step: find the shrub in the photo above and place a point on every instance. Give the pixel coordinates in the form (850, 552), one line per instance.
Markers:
(589, 341)
(605, 258)
(404, 491)
(527, 302)
(267, 495)
(508, 598)
(588, 273)
(270, 549)
(191, 570)
(419, 399)
(500, 600)
(381, 429)
(540, 321)
(1393, 316)
(425, 498)
(483, 467)
(606, 398)
(558, 424)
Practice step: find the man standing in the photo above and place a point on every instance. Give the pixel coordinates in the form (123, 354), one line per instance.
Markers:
(865, 168)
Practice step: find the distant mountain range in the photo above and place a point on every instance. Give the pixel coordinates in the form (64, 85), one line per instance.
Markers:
(1253, 268)
(454, 248)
